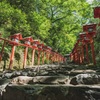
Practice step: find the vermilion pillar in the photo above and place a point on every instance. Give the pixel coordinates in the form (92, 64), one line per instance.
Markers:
(82, 53)
(74, 56)
(93, 53)
(87, 54)
(78, 56)
(12, 56)
(27, 41)
(33, 56)
(15, 40)
(34, 46)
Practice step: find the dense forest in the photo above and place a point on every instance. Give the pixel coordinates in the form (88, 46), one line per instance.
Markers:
(56, 23)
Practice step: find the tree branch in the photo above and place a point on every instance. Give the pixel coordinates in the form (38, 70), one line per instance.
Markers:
(59, 19)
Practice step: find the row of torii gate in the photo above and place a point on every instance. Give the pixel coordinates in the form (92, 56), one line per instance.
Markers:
(43, 50)
(80, 52)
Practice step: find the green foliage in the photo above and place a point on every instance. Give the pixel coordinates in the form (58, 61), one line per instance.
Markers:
(40, 25)
(12, 20)
(19, 22)
(5, 22)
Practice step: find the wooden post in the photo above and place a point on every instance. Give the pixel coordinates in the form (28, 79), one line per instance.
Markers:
(33, 56)
(87, 54)
(12, 56)
(93, 52)
(82, 53)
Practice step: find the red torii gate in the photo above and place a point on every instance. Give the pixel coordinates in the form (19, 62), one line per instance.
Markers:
(27, 42)
(35, 47)
(90, 33)
(85, 41)
(14, 42)
(85, 38)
